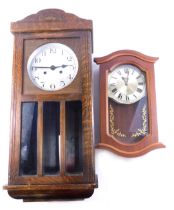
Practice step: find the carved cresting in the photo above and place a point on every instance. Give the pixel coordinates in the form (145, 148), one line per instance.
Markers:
(46, 15)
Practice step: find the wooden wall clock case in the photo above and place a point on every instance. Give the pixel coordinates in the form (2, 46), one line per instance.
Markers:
(128, 124)
(60, 153)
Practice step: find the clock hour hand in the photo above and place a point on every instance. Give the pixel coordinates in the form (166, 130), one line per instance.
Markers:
(62, 66)
(40, 67)
(125, 80)
(56, 67)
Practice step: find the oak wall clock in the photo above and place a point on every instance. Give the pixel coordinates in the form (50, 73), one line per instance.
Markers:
(51, 149)
(128, 119)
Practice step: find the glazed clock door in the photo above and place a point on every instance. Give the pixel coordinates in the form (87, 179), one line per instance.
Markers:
(128, 119)
(49, 162)
(50, 131)
(127, 104)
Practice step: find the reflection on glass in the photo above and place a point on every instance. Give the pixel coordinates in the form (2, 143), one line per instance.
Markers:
(28, 156)
(51, 132)
(128, 123)
(74, 161)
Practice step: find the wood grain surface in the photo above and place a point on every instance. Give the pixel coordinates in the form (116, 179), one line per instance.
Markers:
(47, 26)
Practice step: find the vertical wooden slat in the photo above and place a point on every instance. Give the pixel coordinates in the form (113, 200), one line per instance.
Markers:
(62, 138)
(39, 138)
(15, 127)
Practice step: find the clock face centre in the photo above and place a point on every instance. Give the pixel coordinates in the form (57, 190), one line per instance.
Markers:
(126, 84)
(52, 67)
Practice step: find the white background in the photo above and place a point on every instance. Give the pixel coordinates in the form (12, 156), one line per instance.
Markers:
(147, 26)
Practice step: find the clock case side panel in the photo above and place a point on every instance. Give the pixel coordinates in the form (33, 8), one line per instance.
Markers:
(106, 141)
(87, 109)
(15, 110)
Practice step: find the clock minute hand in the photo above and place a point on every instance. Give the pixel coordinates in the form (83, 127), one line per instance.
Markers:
(41, 67)
(52, 67)
(56, 67)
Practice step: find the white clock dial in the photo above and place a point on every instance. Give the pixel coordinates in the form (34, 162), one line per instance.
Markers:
(126, 84)
(52, 66)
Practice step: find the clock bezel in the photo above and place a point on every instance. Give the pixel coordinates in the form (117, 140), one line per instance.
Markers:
(144, 93)
(45, 46)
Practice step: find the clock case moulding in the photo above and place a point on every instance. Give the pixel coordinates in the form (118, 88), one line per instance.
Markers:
(38, 29)
(108, 141)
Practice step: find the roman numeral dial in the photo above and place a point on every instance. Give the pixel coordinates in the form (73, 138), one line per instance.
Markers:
(126, 84)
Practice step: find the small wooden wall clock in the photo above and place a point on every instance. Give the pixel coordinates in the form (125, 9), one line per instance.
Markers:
(128, 120)
(51, 149)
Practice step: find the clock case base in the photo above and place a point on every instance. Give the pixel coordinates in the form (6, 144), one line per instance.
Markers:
(130, 153)
(51, 192)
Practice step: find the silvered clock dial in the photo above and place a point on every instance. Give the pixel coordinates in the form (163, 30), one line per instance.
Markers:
(52, 66)
(126, 84)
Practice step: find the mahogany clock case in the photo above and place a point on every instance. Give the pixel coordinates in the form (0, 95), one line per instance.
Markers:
(58, 160)
(129, 130)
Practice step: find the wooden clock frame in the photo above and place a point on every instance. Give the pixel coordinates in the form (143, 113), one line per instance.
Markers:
(47, 26)
(107, 141)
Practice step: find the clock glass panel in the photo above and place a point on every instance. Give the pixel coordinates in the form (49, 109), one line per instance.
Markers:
(51, 133)
(127, 103)
(28, 146)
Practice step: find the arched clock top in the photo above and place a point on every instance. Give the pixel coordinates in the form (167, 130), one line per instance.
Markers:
(120, 53)
(52, 19)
